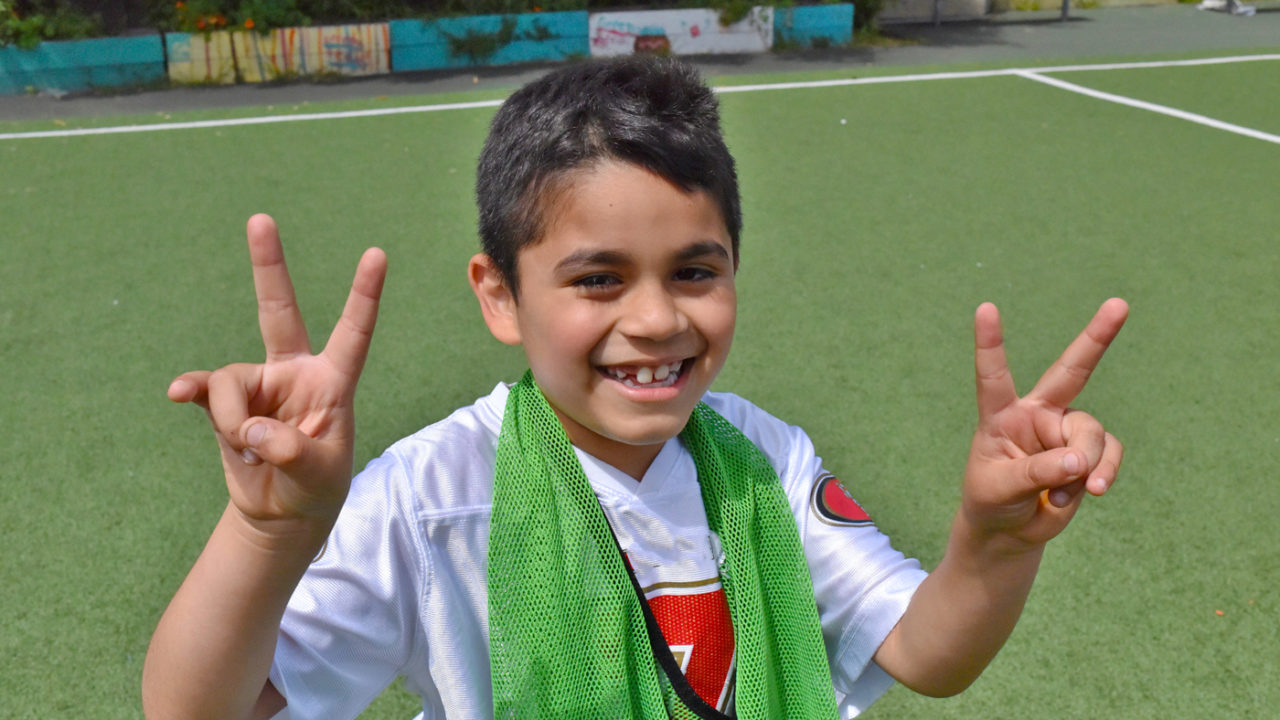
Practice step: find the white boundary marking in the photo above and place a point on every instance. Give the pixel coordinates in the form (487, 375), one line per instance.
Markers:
(995, 73)
(1029, 73)
(1162, 109)
(261, 120)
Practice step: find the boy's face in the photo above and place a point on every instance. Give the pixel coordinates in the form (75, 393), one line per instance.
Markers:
(626, 309)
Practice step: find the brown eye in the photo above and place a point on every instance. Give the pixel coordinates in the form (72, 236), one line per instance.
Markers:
(694, 274)
(596, 282)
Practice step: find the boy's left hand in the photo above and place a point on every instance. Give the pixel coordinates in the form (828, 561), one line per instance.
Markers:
(1033, 457)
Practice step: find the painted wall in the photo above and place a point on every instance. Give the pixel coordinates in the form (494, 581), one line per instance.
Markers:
(473, 41)
(201, 58)
(227, 57)
(695, 31)
(813, 25)
(344, 49)
(76, 65)
(217, 57)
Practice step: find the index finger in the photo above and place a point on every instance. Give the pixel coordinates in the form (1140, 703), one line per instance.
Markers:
(283, 332)
(991, 366)
(1064, 380)
(348, 344)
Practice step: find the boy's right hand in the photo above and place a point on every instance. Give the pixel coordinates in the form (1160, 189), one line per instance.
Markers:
(286, 427)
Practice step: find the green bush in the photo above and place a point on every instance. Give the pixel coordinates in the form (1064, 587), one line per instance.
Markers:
(333, 12)
(263, 15)
(205, 16)
(197, 16)
(26, 24)
(865, 12)
(267, 14)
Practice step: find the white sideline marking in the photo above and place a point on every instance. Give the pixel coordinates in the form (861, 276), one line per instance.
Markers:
(994, 73)
(1162, 109)
(262, 120)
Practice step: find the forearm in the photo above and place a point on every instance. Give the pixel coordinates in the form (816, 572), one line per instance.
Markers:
(212, 650)
(962, 614)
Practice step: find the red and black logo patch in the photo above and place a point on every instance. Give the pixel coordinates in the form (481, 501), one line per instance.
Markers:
(833, 505)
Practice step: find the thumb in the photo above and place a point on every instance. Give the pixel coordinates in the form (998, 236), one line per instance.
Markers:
(1054, 468)
(273, 442)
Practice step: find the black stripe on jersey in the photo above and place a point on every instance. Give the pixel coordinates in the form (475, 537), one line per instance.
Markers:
(662, 652)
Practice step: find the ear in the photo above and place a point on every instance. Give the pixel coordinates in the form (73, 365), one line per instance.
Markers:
(497, 303)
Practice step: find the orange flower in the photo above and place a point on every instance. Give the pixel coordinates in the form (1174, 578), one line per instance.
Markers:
(180, 5)
(248, 24)
(220, 19)
(200, 24)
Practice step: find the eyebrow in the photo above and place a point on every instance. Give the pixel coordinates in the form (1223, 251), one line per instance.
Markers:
(596, 258)
(590, 258)
(702, 249)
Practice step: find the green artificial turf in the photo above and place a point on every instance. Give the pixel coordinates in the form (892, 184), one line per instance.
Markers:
(867, 245)
(1046, 203)
(1241, 93)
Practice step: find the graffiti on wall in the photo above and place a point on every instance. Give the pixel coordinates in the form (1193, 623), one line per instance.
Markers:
(679, 32)
(219, 57)
(344, 49)
(200, 58)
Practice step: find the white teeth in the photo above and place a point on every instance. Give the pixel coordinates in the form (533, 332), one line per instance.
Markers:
(664, 375)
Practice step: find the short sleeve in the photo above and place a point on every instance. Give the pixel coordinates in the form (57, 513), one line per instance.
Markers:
(351, 625)
(862, 585)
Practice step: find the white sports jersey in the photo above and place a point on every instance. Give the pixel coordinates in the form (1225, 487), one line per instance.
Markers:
(400, 588)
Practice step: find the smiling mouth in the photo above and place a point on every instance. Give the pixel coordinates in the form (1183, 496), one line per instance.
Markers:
(641, 376)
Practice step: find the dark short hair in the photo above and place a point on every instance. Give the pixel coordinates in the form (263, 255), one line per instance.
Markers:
(652, 112)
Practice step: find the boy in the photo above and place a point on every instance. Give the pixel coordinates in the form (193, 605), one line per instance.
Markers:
(605, 538)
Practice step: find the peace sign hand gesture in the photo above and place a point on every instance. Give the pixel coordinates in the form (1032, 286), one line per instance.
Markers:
(286, 427)
(1033, 456)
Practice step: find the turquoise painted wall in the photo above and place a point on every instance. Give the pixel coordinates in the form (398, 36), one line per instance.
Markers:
(810, 25)
(75, 65)
(425, 45)
(415, 45)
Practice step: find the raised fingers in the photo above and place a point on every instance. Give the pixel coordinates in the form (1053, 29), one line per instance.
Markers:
(283, 332)
(1064, 380)
(994, 381)
(348, 344)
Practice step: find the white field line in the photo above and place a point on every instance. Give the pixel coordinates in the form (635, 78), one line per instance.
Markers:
(262, 120)
(839, 82)
(1162, 109)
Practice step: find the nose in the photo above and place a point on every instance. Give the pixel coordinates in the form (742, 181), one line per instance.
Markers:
(650, 311)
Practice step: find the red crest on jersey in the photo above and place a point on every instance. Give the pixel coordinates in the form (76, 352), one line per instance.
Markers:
(833, 504)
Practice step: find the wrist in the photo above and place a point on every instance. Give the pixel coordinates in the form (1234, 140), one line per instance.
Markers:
(977, 546)
(288, 538)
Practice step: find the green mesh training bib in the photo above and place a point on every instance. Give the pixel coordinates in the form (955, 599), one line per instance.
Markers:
(568, 634)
